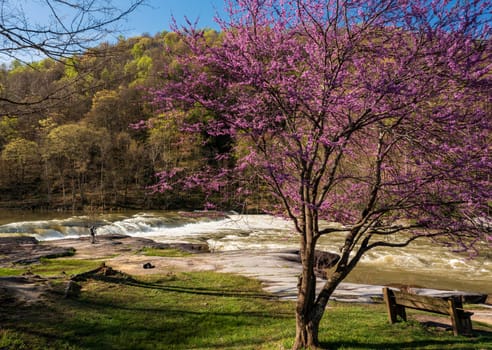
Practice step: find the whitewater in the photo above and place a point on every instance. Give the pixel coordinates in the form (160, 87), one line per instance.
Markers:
(234, 235)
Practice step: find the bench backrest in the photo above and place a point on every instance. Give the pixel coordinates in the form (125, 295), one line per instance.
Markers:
(422, 302)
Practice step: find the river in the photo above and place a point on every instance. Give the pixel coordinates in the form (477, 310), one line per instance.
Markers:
(419, 264)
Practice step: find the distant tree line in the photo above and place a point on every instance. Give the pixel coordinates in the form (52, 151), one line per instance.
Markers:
(66, 139)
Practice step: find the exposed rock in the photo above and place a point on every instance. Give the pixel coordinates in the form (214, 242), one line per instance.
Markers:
(72, 290)
(23, 289)
(101, 271)
(104, 273)
(323, 260)
(148, 266)
(26, 250)
(190, 247)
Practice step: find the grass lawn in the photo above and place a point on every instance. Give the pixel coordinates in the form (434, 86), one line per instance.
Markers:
(202, 310)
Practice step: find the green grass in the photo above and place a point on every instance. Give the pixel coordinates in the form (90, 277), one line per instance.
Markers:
(7, 271)
(203, 310)
(52, 267)
(167, 252)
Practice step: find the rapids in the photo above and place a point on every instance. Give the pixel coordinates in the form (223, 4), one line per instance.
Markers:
(420, 264)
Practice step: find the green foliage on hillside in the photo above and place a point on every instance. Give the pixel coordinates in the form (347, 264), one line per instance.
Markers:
(65, 134)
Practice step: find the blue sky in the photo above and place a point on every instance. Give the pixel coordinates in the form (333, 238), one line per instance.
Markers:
(153, 17)
(156, 15)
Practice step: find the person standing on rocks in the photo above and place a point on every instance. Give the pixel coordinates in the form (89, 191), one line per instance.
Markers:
(93, 234)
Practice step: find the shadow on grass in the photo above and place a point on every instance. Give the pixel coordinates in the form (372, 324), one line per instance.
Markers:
(210, 325)
(176, 310)
(92, 323)
(124, 313)
(481, 339)
(130, 281)
(422, 344)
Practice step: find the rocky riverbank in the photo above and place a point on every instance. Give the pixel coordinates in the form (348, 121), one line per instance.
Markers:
(278, 270)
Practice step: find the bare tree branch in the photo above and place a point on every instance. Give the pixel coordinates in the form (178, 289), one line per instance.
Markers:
(71, 28)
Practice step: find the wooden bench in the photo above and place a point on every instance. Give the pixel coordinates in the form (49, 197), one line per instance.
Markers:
(396, 302)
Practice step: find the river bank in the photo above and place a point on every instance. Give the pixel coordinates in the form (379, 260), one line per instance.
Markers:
(275, 269)
(420, 264)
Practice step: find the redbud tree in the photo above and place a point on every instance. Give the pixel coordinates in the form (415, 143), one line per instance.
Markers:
(374, 114)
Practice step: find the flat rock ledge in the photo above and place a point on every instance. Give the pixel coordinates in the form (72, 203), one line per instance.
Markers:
(277, 270)
(27, 250)
(30, 288)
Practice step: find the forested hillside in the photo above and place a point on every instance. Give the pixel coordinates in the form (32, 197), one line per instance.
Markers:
(66, 135)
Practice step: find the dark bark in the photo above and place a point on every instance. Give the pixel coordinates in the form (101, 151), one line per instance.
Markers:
(307, 316)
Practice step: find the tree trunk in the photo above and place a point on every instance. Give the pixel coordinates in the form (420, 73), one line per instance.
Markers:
(81, 184)
(307, 323)
(311, 307)
(72, 181)
(102, 189)
(307, 315)
(64, 200)
(48, 183)
(307, 328)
